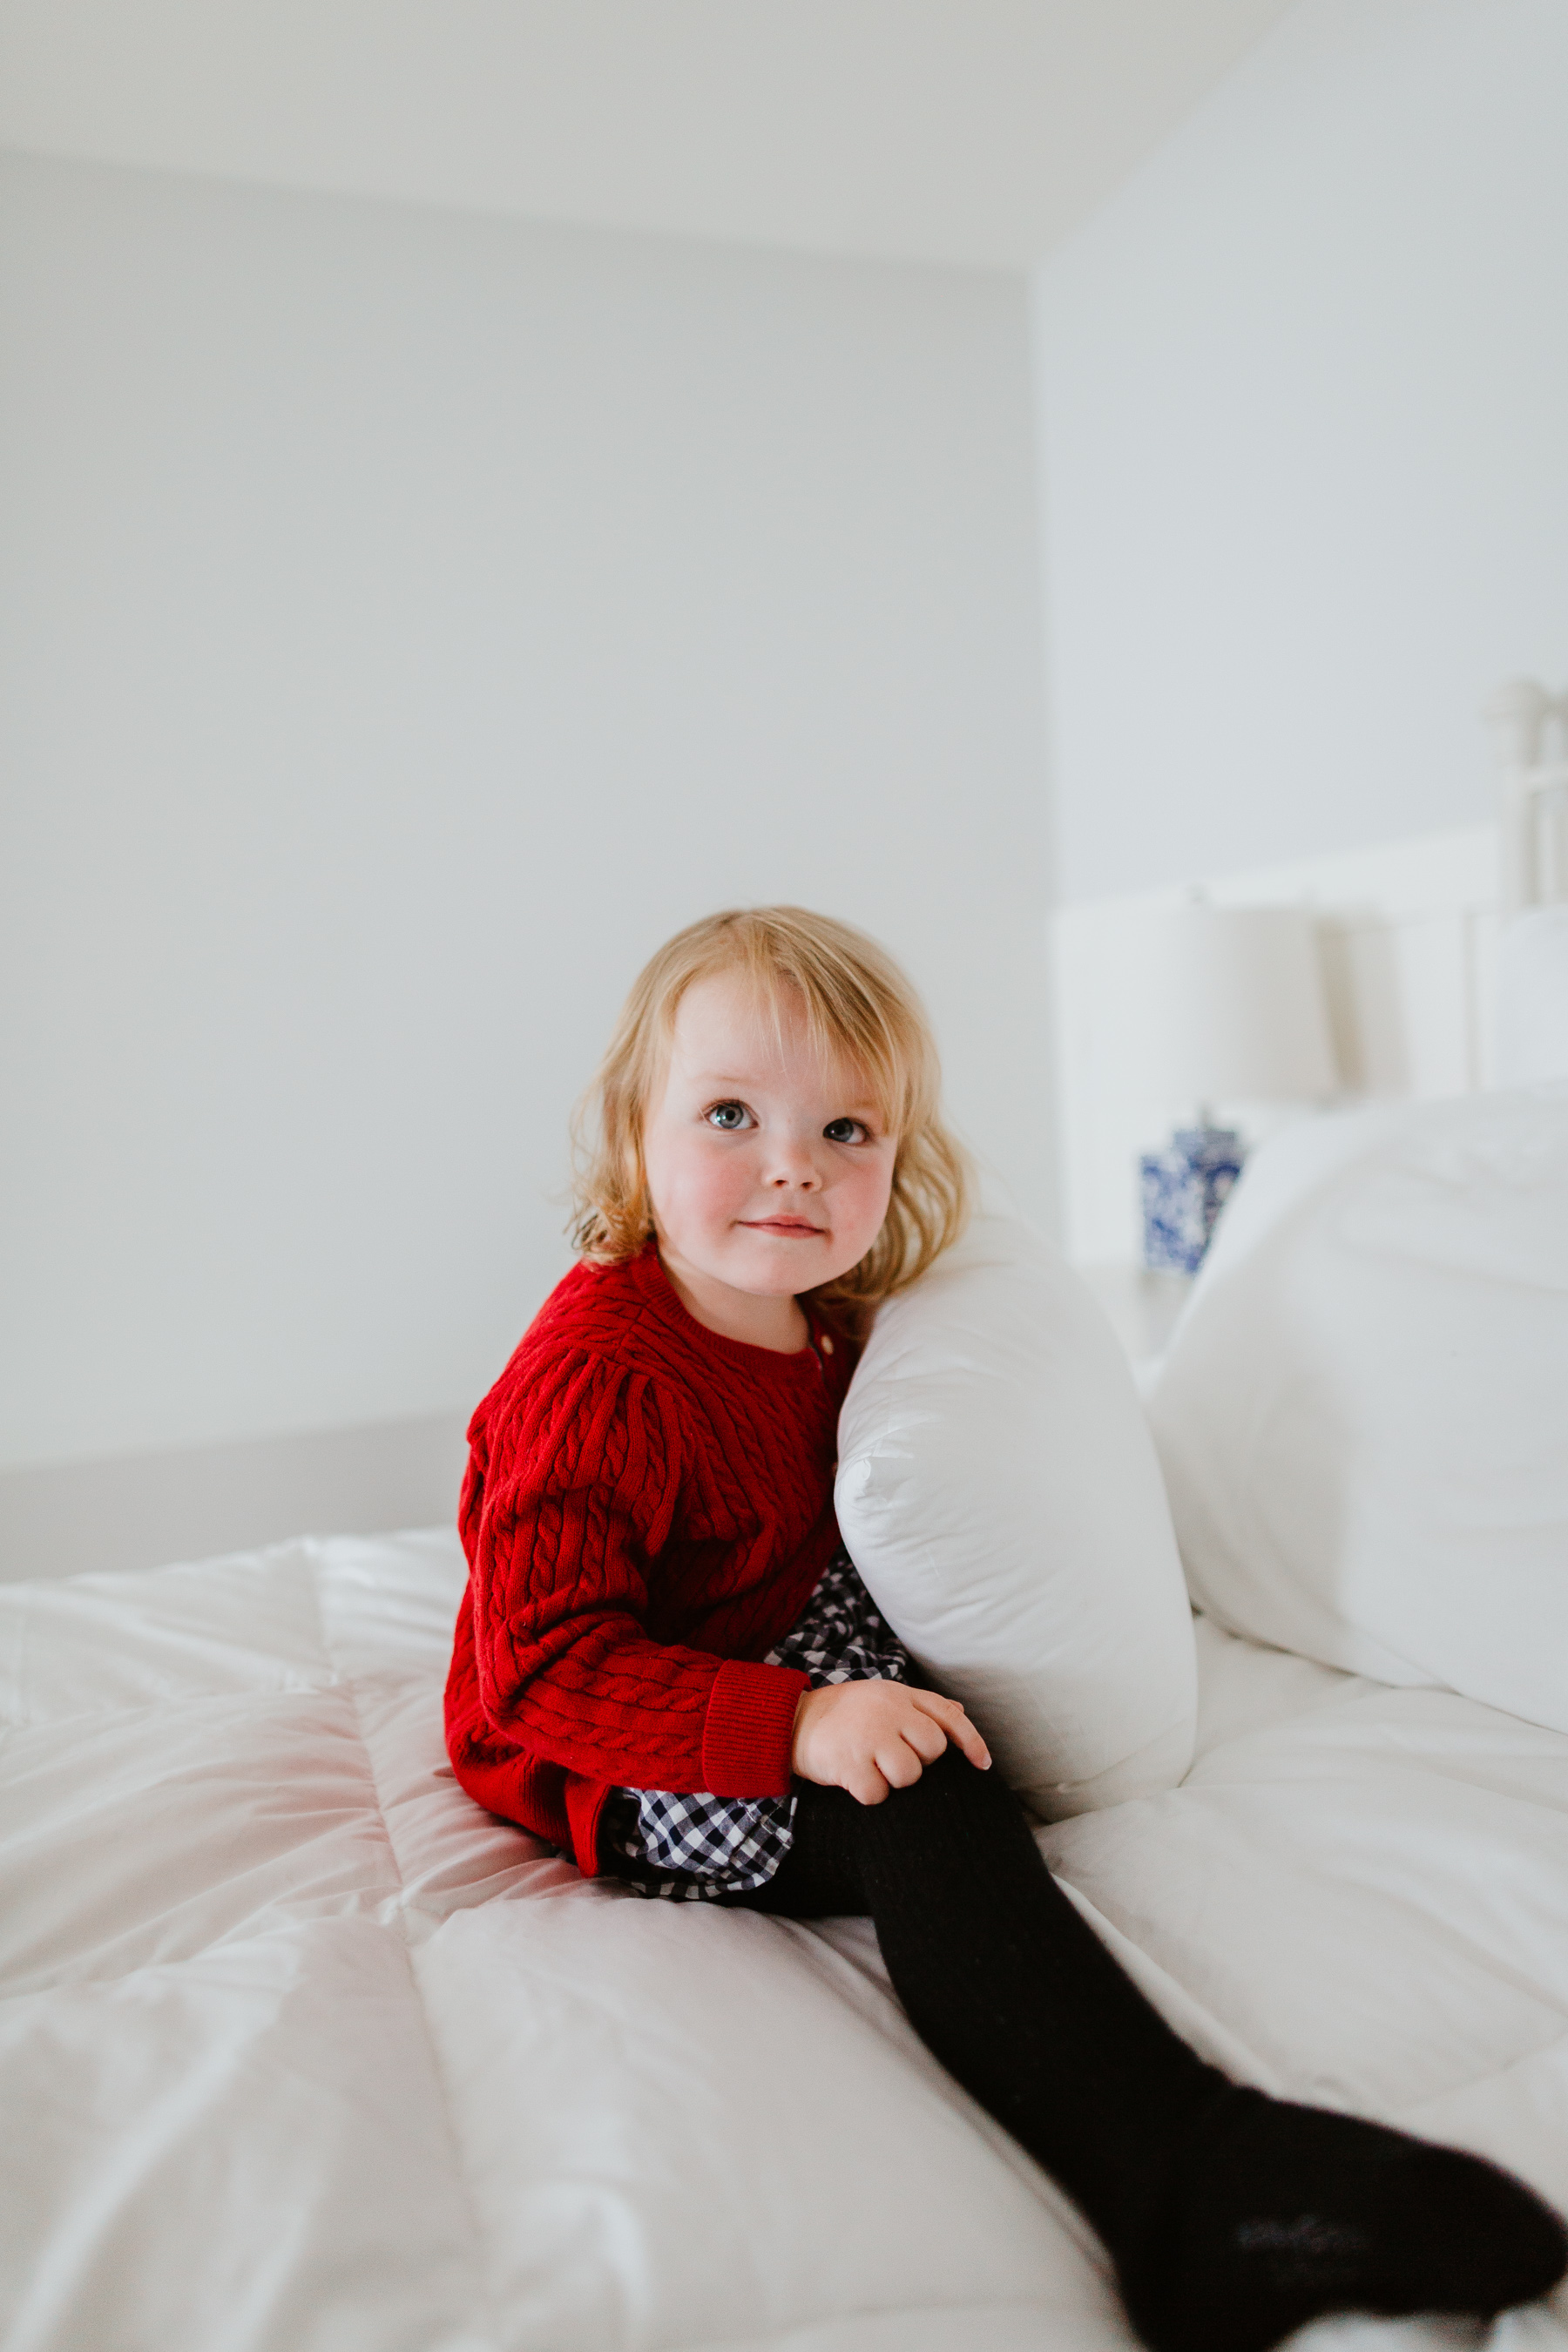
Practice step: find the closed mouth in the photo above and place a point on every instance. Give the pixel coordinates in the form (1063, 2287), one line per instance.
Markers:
(794, 1227)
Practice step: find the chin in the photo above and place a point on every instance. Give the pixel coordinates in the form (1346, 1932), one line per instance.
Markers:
(776, 1273)
(780, 1282)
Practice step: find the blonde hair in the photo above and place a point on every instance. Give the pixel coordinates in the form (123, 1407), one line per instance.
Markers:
(860, 1008)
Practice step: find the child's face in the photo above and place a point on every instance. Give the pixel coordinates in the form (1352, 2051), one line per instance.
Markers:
(769, 1171)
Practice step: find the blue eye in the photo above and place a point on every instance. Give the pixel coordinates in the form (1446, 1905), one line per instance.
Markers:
(730, 1117)
(846, 1131)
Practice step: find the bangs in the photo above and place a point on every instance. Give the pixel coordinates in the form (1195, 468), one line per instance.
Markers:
(848, 1029)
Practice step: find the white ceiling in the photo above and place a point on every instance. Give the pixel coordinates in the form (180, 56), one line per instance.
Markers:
(962, 130)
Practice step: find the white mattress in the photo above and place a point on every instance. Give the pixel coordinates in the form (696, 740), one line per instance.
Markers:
(298, 2049)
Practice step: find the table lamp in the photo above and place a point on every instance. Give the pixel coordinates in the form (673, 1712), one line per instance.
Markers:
(1234, 1013)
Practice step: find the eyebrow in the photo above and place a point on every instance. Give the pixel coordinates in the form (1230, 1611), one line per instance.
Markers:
(703, 1079)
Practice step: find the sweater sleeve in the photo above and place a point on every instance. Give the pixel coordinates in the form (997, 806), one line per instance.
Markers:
(575, 1498)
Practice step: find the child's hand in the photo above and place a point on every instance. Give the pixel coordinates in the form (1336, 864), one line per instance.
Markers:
(871, 1736)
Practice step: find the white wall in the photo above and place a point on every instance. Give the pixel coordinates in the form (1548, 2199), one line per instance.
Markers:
(410, 619)
(1303, 387)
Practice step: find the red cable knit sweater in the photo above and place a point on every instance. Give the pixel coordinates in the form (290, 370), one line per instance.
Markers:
(647, 1509)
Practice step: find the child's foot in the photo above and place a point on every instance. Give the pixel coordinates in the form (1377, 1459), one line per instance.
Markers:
(1277, 2213)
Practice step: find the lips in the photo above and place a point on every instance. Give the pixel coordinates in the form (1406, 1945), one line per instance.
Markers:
(794, 1228)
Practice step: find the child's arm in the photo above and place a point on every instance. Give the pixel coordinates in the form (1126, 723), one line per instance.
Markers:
(575, 1501)
(873, 1736)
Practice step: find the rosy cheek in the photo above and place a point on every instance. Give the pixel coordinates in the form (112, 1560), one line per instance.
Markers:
(879, 1190)
(712, 1179)
(712, 1183)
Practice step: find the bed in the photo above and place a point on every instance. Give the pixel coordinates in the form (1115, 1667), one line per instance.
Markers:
(302, 2052)
(301, 2049)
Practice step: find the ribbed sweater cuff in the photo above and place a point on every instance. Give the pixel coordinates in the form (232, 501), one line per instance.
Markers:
(749, 1727)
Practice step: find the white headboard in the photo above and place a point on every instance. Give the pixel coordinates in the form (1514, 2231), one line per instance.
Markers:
(1530, 731)
(1408, 933)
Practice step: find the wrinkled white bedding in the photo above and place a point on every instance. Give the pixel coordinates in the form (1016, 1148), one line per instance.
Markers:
(300, 2049)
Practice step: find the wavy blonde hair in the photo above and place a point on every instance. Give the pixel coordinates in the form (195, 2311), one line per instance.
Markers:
(859, 1009)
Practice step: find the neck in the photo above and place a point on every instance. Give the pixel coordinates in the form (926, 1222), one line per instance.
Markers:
(760, 1322)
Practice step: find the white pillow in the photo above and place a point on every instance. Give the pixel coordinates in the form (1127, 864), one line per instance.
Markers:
(999, 1493)
(1363, 1416)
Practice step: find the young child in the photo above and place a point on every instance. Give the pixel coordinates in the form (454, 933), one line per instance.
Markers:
(665, 1664)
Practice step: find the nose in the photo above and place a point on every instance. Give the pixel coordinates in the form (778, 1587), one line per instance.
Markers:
(795, 1167)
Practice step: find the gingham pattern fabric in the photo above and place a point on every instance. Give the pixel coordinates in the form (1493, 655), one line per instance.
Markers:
(723, 1845)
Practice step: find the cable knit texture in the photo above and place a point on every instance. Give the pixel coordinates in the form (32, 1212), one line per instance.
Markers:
(647, 1511)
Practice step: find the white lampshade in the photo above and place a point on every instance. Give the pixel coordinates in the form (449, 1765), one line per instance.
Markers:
(1233, 1006)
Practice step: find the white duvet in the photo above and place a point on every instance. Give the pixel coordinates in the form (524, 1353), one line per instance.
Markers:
(298, 2050)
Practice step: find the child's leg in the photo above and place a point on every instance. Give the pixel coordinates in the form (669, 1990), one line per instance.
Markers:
(1233, 2218)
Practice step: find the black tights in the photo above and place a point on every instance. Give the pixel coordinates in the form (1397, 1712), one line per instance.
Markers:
(1232, 2218)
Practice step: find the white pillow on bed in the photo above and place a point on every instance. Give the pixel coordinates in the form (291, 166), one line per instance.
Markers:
(999, 1493)
(1363, 1417)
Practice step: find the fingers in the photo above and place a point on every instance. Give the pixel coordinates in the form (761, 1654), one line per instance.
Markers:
(974, 1747)
(924, 1735)
(875, 1736)
(955, 1726)
(900, 1765)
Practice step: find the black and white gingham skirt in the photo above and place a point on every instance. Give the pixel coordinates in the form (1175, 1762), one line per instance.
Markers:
(726, 1845)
